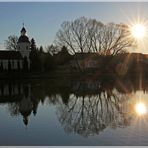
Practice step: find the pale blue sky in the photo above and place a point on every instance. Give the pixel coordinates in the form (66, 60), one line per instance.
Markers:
(43, 19)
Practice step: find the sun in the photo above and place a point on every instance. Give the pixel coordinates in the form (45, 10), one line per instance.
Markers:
(138, 31)
(140, 108)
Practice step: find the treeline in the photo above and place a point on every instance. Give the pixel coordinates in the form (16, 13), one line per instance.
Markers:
(46, 61)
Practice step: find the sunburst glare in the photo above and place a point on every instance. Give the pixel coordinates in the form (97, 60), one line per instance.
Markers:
(138, 31)
(138, 26)
(140, 108)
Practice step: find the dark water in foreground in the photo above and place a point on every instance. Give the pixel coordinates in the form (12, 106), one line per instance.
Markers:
(74, 112)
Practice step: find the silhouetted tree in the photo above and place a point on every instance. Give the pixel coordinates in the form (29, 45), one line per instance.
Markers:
(64, 50)
(35, 57)
(49, 62)
(33, 44)
(62, 57)
(41, 49)
(73, 35)
(35, 61)
(88, 35)
(11, 42)
(52, 49)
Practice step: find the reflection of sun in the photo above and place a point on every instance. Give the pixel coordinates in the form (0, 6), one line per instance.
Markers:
(138, 31)
(140, 108)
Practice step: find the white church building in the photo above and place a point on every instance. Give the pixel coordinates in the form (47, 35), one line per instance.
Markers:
(14, 60)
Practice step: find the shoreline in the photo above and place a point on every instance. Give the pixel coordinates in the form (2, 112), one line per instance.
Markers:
(67, 75)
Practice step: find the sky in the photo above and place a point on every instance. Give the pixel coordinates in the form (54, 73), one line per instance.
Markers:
(43, 19)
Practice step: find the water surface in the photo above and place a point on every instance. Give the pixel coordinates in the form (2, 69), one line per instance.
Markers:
(74, 112)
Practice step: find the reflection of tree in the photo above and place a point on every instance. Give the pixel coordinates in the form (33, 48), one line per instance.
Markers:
(90, 114)
(85, 106)
(13, 109)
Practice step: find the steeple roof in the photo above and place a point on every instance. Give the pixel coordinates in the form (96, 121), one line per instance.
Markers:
(23, 37)
(23, 29)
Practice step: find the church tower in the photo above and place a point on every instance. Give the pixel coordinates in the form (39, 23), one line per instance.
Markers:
(23, 45)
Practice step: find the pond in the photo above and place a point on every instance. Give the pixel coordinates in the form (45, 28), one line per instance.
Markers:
(74, 112)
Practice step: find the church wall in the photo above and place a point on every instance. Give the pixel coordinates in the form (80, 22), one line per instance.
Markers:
(5, 64)
(14, 89)
(21, 64)
(14, 64)
(6, 90)
(24, 49)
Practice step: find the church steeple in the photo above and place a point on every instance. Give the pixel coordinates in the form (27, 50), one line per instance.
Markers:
(23, 37)
(23, 45)
(23, 31)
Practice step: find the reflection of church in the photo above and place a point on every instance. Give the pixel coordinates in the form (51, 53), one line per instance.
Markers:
(26, 105)
(21, 95)
(14, 60)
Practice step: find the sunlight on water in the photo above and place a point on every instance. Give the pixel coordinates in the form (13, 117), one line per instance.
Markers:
(140, 108)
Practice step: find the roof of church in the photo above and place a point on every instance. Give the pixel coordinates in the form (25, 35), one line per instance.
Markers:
(23, 29)
(8, 55)
(23, 38)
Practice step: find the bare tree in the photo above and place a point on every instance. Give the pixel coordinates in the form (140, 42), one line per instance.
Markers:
(116, 39)
(11, 42)
(52, 49)
(89, 35)
(73, 35)
(94, 29)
